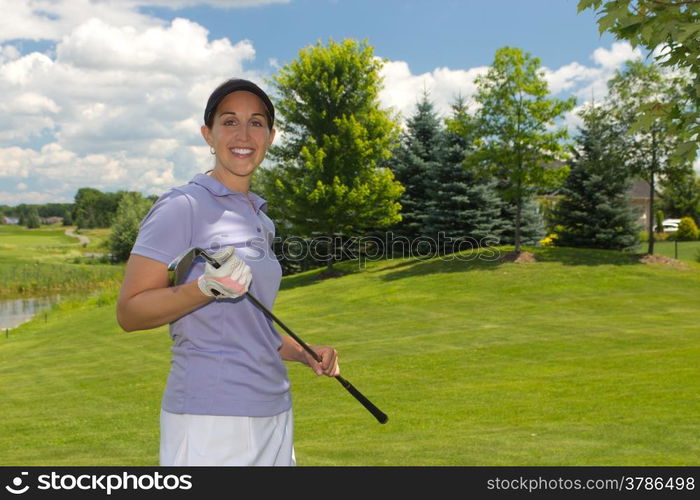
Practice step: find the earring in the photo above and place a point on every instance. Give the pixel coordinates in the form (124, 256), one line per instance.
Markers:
(212, 150)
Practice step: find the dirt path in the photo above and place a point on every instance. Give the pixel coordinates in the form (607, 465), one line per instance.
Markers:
(84, 240)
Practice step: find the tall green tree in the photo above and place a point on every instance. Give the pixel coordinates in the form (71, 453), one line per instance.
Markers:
(131, 210)
(671, 28)
(650, 146)
(331, 177)
(680, 195)
(595, 210)
(93, 208)
(517, 123)
(414, 164)
(32, 220)
(461, 204)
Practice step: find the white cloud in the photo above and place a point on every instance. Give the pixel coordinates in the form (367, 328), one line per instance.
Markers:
(616, 56)
(52, 19)
(60, 172)
(402, 90)
(115, 107)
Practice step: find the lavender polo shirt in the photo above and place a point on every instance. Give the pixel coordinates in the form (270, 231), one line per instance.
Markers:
(225, 358)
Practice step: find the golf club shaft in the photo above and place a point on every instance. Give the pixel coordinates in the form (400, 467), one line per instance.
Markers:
(381, 417)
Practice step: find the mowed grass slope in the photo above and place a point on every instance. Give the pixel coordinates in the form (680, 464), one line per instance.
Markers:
(583, 358)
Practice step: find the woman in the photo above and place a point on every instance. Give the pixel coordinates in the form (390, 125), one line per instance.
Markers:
(227, 398)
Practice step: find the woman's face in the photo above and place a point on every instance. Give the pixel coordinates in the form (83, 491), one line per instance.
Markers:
(240, 134)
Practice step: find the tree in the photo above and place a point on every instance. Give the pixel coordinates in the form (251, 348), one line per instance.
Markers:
(330, 177)
(681, 194)
(595, 210)
(460, 203)
(32, 219)
(93, 208)
(517, 126)
(132, 208)
(650, 145)
(414, 163)
(68, 217)
(672, 28)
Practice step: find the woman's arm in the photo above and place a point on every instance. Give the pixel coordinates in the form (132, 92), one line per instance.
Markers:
(146, 301)
(292, 351)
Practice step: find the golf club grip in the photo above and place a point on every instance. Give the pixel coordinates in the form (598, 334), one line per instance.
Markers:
(378, 414)
(381, 417)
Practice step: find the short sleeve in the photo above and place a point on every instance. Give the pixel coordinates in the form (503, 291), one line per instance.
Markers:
(166, 231)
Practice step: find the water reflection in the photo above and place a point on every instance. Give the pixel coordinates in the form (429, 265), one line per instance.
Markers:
(16, 311)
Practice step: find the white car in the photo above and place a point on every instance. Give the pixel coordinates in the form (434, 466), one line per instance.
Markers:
(671, 225)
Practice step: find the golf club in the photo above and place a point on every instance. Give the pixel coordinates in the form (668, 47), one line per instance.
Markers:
(181, 265)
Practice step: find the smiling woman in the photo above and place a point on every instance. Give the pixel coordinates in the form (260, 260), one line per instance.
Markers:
(227, 400)
(238, 126)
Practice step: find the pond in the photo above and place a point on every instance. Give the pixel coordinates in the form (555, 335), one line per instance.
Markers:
(16, 311)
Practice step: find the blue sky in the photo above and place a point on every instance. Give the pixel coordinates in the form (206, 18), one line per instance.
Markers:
(425, 33)
(109, 93)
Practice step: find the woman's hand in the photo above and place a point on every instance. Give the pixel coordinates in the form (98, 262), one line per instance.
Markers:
(329, 361)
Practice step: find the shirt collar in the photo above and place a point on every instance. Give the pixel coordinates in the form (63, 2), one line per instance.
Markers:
(218, 189)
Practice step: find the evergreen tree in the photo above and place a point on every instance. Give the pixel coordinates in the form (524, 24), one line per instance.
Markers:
(414, 164)
(595, 210)
(532, 223)
(460, 205)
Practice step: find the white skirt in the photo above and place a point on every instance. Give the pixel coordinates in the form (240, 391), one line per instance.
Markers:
(187, 439)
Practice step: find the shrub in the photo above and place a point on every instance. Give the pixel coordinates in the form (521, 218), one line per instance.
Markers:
(548, 241)
(659, 221)
(687, 230)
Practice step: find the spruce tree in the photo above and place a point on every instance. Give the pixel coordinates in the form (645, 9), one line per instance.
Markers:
(460, 205)
(595, 211)
(413, 165)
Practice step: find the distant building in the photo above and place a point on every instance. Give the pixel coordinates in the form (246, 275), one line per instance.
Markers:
(52, 220)
(10, 220)
(639, 199)
(638, 195)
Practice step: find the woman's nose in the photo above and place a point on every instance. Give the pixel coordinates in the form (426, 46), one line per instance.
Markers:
(242, 132)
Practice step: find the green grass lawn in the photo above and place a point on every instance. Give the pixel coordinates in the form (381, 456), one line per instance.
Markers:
(681, 250)
(583, 358)
(46, 260)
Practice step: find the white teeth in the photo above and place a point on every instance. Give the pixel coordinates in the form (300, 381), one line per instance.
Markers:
(241, 151)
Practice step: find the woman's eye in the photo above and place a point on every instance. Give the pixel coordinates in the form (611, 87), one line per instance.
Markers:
(229, 122)
(257, 123)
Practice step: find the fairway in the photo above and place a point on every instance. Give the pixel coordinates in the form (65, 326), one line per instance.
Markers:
(45, 260)
(583, 358)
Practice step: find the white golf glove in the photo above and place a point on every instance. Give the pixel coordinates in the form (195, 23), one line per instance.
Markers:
(230, 280)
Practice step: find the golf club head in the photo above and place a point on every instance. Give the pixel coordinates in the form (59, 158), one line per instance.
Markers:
(179, 266)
